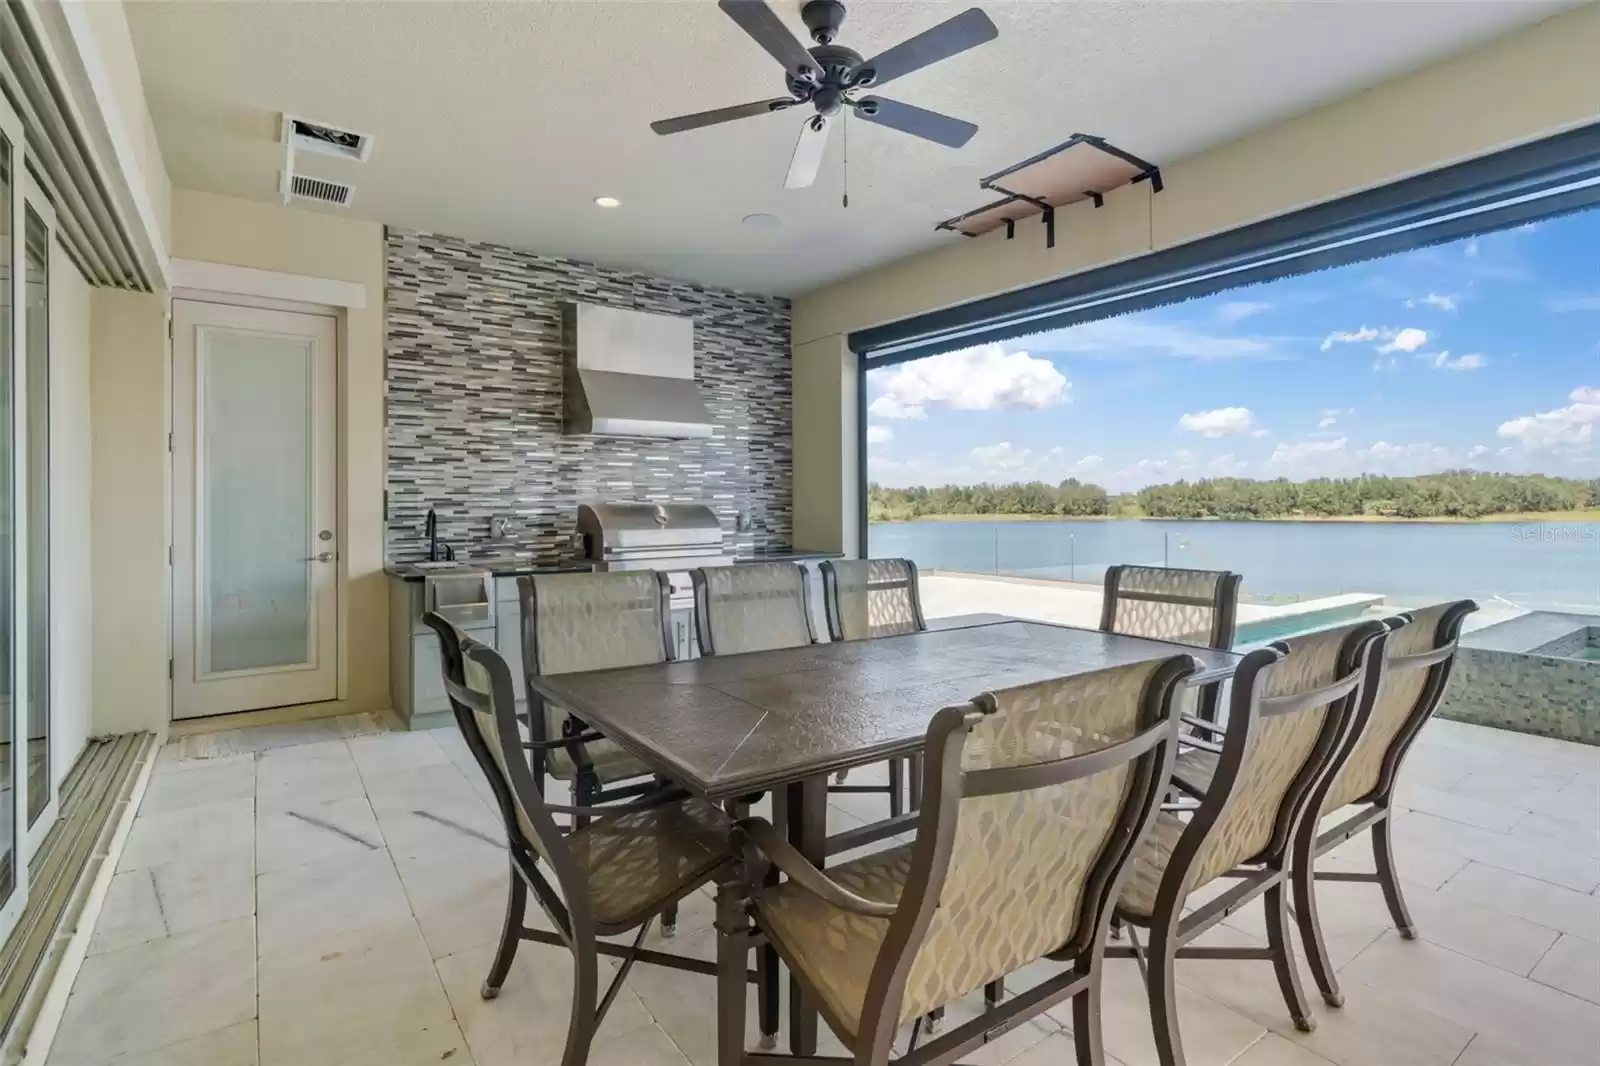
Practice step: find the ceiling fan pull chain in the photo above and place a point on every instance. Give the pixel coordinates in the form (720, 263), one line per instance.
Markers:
(844, 122)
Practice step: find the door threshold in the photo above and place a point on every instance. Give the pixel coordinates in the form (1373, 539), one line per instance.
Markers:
(303, 712)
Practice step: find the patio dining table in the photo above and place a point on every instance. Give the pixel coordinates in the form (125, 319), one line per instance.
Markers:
(729, 726)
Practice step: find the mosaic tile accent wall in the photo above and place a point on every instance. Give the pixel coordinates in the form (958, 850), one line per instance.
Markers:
(475, 402)
(1552, 697)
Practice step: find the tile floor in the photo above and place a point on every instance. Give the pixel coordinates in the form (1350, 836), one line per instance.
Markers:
(302, 896)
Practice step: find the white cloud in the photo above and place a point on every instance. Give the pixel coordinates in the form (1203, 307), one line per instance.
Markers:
(1573, 424)
(1404, 340)
(1089, 463)
(1355, 336)
(1260, 432)
(985, 378)
(1433, 299)
(1476, 450)
(1133, 336)
(1442, 361)
(1239, 310)
(1564, 304)
(1301, 451)
(1002, 456)
(1471, 250)
(1223, 422)
(1327, 420)
(879, 434)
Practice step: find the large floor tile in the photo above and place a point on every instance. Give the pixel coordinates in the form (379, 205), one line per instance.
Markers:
(433, 813)
(1274, 1050)
(1496, 817)
(190, 833)
(1565, 868)
(1502, 1006)
(388, 753)
(173, 759)
(1482, 1052)
(1538, 901)
(301, 908)
(375, 1000)
(649, 1046)
(229, 779)
(1417, 864)
(308, 774)
(309, 832)
(176, 897)
(460, 905)
(233, 1046)
(1551, 831)
(527, 1024)
(1055, 1050)
(1572, 965)
(1212, 1033)
(150, 995)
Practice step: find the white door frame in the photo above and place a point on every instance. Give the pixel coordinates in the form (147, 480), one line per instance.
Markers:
(36, 201)
(267, 687)
(11, 909)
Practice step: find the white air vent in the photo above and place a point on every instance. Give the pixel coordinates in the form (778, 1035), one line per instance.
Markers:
(320, 189)
(328, 140)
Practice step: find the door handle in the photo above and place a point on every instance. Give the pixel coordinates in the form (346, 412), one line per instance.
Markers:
(320, 557)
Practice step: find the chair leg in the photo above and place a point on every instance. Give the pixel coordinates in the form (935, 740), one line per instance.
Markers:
(510, 937)
(1283, 964)
(897, 787)
(583, 1022)
(768, 995)
(1086, 1038)
(1161, 966)
(994, 992)
(733, 956)
(669, 921)
(1305, 914)
(1389, 878)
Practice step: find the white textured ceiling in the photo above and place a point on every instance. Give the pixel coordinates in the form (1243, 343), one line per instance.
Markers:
(502, 121)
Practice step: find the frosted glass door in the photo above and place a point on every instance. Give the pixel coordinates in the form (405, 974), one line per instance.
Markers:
(262, 559)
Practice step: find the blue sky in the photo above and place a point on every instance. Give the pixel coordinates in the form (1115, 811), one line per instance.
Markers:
(1481, 353)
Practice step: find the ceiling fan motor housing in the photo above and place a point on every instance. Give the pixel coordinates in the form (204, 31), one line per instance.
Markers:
(823, 18)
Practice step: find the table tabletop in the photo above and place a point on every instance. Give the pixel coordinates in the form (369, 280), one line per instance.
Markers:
(729, 725)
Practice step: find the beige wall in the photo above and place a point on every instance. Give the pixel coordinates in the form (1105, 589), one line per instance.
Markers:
(1518, 89)
(221, 229)
(128, 391)
(71, 472)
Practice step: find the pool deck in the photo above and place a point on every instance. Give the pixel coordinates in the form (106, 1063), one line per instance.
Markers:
(1529, 632)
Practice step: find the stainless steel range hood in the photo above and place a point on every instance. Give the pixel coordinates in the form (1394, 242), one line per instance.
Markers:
(630, 373)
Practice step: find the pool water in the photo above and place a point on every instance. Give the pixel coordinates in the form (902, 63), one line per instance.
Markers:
(1591, 653)
(1269, 629)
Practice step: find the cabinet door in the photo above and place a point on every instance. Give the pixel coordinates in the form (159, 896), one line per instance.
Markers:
(683, 639)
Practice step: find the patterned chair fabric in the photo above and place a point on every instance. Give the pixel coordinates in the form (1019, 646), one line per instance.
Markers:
(573, 622)
(1397, 700)
(751, 607)
(1015, 886)
(872, 598)
(1184, 606)
(1281, 751)
(629, 865)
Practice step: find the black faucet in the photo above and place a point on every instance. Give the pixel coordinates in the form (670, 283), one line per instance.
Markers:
(430, 529)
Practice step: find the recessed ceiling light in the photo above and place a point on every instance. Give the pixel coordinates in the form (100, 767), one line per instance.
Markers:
(607, 201)
(763, 221)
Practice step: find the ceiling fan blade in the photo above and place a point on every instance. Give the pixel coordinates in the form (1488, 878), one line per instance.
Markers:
(951, 37)
(808, 153)
(767, 29)
(917, 121)
(722, 114)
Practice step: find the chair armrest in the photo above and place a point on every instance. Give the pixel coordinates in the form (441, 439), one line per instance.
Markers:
(798, 868)
(647, 802)
(565, 742)
(1179, 808)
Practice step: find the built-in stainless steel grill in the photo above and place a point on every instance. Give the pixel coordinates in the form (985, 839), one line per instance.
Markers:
(671, 537)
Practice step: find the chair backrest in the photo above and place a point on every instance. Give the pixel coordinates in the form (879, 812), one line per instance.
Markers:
(1291, 705)
(599, 621)
(871, 598)
(1035, 797)
(1421, 652)
(751, 607)
(1186, 606)
(482, 695)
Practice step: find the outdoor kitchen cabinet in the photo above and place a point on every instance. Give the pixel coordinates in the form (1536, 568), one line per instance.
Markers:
(416, 682)
(680, 626)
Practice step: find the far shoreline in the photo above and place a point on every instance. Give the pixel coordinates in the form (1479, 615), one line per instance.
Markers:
(1590, 514)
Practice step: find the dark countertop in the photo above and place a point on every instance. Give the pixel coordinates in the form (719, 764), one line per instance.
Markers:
(521, 567)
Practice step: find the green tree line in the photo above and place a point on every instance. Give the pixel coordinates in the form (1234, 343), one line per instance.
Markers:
(1452, 494)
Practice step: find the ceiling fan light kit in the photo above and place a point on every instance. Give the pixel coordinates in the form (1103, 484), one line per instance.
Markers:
(1082, 167)
(830, 78)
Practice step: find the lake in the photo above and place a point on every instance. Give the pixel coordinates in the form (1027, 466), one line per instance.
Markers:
(1551, 565)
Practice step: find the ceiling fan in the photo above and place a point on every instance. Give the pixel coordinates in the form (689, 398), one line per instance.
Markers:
(829, 76)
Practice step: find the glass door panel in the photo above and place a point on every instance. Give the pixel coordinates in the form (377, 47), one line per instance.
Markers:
(9, 865)
(36, 330)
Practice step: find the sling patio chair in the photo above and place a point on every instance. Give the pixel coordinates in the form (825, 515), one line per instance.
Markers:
(1421, 652)
(1036, 797)
(625, 866)
(866, 598)
(1198, 607)
(1291, 705)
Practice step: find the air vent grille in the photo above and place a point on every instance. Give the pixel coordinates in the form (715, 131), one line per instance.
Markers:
(322, 190)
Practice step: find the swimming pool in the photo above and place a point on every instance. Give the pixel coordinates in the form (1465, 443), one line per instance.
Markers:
(1263, 630)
